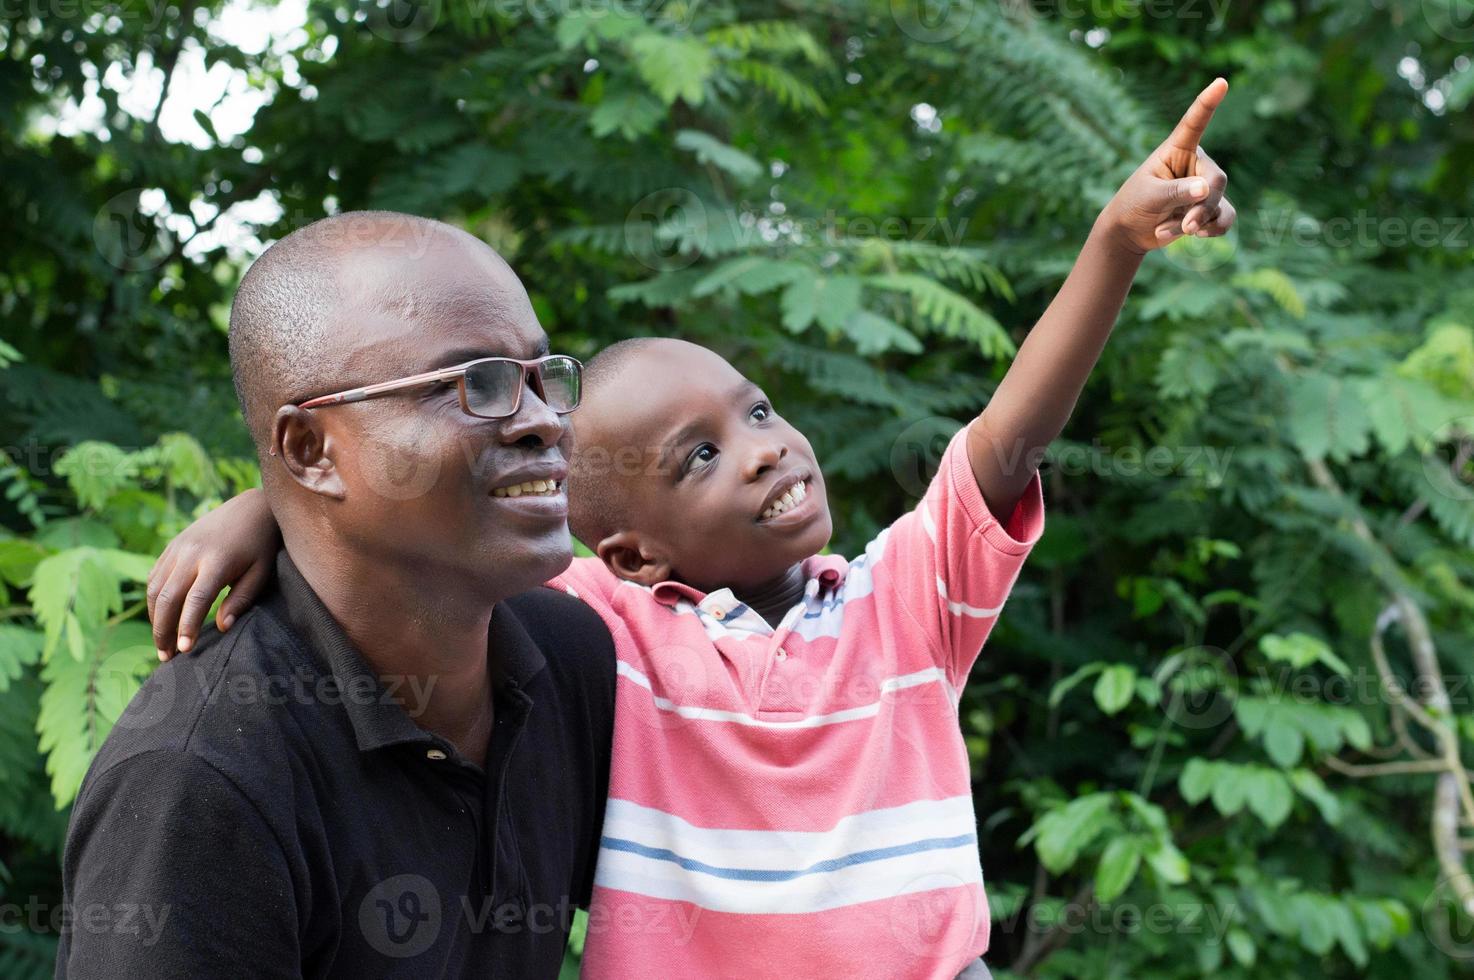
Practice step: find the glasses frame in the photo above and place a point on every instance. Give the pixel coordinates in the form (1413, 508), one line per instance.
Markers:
(530, 369)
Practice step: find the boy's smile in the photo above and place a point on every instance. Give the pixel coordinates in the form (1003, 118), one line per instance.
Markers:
(786, 502)
(735, 496)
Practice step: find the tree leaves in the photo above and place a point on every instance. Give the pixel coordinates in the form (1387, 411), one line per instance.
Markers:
(1060, 835)
(1327, 417)
(939, 309)
(73, 591)
(630, 114)
(673, 67)
(1286, 723)
(830, 300)
(709, 149)
(84, 697)
(19, 648)
(1114, 688)
(1266, 792)
(1117, 868)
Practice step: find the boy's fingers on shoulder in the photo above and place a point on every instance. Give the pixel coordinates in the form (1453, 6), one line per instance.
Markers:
(158, 575)
(198, 598)
(243, 594)
(169, 603)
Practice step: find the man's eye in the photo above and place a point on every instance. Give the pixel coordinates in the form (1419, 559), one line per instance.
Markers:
(761, 411)
(701, 455)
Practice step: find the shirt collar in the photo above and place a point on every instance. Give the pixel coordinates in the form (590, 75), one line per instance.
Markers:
(828, 571)
(379, 722)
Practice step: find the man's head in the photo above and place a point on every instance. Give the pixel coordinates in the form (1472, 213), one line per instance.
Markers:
(405, 479)
(680, 461)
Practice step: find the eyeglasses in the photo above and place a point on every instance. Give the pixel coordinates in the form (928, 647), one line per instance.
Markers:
(491, 387)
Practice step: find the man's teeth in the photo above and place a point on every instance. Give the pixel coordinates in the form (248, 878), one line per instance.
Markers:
(790, 499)
(530, 488)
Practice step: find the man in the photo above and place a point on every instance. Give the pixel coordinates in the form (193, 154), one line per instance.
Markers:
(356, 781)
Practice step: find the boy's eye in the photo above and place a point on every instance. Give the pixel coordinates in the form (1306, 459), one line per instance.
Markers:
(761, 411)
(701, 455)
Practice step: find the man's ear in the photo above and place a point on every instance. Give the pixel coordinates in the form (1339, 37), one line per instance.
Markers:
(630, 557)
(299, 440)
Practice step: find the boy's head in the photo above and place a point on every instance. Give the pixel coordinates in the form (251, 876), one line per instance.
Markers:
(679, 463)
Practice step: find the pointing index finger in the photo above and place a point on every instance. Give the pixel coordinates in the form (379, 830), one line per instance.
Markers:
(1189, 131)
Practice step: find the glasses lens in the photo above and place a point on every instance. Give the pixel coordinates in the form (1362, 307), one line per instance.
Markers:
(491, 388)
(562, 382)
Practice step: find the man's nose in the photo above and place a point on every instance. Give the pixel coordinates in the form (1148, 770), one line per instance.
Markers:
(535, 425)
(763, 457)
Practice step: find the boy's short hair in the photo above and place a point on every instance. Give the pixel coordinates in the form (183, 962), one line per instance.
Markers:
(596, 494)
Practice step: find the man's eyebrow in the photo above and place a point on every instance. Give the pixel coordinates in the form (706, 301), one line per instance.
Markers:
(461, 355)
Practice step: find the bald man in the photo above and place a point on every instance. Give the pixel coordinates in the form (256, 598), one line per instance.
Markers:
(396, 764)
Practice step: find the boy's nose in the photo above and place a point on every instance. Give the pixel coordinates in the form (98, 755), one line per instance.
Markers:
(764, 457)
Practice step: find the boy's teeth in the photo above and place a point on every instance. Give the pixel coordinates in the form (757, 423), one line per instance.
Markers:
(793, 496)
(529, 487)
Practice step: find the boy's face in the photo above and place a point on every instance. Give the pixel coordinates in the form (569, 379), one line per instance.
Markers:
(715, 458)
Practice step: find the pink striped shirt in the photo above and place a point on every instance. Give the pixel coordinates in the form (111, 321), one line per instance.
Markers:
(796, 802)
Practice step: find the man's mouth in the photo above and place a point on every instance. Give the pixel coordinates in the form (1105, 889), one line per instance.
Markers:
(788, 498)
(530, 488)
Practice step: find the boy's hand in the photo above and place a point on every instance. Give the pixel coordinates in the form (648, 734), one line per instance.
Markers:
(1178, 190)
(234, 545)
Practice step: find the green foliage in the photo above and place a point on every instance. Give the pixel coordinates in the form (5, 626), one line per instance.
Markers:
(866, 208)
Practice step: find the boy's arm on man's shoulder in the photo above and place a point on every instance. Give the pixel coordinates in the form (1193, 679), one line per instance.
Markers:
(171, 871)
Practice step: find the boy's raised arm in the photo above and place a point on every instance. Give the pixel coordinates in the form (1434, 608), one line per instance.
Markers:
(1178, 190)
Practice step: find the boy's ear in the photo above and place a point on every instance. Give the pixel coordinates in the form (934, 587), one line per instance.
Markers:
(300, 441)
(625, 554)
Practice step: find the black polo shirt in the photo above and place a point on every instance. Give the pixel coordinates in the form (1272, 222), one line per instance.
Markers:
(263, 809)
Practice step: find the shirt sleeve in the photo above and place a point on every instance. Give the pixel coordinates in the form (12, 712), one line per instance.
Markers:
(950, 564)
(170, 871)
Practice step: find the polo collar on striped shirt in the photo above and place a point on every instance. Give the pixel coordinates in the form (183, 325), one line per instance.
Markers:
(829, 570)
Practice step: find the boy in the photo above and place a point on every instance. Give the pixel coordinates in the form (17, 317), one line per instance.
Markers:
(790, 794)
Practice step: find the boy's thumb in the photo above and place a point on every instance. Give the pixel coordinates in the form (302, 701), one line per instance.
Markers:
(1182, 191)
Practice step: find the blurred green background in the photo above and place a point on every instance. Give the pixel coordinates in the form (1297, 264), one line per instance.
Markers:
(1219, 730)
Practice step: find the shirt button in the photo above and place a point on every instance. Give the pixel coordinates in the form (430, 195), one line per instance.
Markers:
(435, 755)
(782, 655)
(719, 613)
